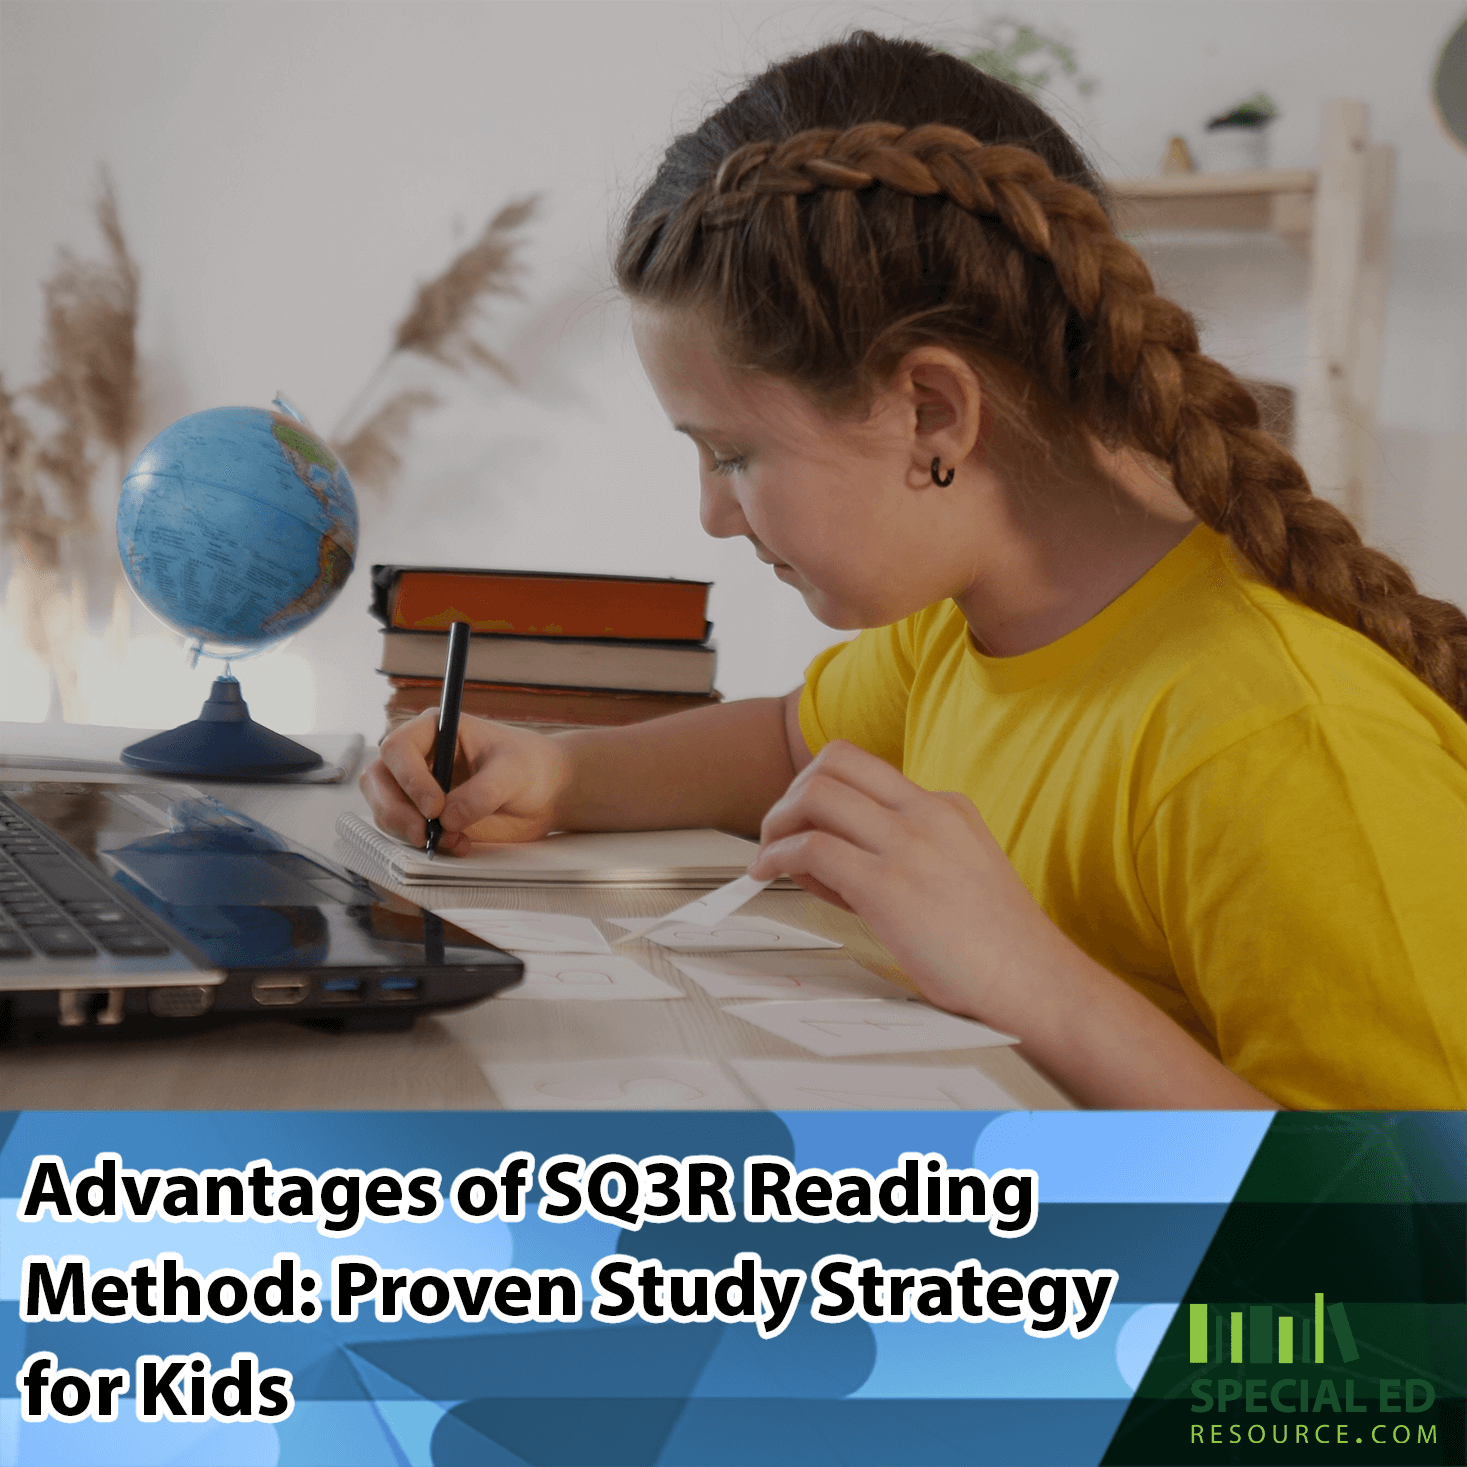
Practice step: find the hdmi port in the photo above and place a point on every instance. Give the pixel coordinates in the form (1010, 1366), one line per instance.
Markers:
(280, 991)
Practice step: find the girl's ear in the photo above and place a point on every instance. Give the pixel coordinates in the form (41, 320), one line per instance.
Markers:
(944, 396)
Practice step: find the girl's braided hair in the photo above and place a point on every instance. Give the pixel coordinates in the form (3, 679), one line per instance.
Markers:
(875, 195)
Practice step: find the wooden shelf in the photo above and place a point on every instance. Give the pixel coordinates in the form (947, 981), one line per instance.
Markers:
(1278, 199)
(1338, 218)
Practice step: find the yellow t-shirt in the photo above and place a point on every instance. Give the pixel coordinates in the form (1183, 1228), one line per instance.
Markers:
(1251, 813)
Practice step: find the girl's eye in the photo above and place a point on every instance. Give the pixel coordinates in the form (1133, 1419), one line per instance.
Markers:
(727, 465)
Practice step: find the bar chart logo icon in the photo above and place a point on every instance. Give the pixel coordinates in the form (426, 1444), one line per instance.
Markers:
(1268, 1343)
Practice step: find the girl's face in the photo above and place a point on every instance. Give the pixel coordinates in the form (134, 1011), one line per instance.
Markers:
(835, 506)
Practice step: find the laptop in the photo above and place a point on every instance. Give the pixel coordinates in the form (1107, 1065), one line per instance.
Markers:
(145, 908)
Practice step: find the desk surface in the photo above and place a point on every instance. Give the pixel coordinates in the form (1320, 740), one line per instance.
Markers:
(441, 1062)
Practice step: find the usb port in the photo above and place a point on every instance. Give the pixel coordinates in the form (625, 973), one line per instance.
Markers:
(398, 990)
(273, 992)
(342, 990)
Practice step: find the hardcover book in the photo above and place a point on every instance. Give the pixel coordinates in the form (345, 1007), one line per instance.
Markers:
(541, 603)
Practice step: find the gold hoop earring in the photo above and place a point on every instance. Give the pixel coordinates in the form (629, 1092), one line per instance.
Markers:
(942, 480)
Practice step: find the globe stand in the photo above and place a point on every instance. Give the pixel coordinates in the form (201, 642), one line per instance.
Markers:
(223, 742)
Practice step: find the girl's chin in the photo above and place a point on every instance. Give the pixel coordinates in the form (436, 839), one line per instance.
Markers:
(834, 614)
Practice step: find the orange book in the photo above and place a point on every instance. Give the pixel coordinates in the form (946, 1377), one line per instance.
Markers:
(540, 603)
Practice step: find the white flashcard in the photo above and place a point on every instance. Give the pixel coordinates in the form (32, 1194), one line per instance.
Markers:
(529, 932)
(615, 1084)
(703, 911)
(592, 975)
(785, 975)
(832, 1026)
(825, 1085)
(737, 934)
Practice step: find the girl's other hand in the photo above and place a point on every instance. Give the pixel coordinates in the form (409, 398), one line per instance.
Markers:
(922, 869)
(506, 784)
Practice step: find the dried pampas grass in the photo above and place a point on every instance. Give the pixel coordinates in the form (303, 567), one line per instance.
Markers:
(90, 350)
(91, 388)
(371, 453)
(441, 325)
(441, 322)
(89, 402)
(23, 514)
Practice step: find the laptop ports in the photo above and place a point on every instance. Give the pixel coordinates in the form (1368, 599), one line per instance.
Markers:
(79, 1007)
(343, 990)
(399, 990)
(187, 1001)
(280, 990)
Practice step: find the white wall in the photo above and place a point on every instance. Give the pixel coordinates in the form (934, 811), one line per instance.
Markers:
(288, 171)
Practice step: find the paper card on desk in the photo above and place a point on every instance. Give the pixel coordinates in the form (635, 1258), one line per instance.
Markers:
(732, 935)
(529, 932)
(833, 1026)
(786, 976)
(823, 1085)
(588, 976)
(664, 858)
(615, 1084)
(91, 748)
(702, 911)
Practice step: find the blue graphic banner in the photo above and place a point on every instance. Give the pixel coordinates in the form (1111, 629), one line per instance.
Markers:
(655, 1287)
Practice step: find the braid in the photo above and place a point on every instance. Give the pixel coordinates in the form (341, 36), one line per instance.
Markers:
(851, 233)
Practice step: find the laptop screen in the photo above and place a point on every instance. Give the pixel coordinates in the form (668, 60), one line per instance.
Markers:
(236, 890)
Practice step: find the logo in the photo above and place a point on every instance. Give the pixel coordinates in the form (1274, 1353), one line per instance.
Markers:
(1301, 1408)
(1263, 1347)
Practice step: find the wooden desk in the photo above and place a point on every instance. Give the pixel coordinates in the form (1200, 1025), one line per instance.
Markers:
(440, 1063)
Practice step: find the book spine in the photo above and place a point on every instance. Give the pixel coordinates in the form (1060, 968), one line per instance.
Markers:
(571, 706)
(638, 667)
(397, 717)
(545, 605)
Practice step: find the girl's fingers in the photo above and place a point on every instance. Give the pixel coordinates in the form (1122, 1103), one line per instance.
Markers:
(815, 888)
(391, 808)
(510, 789)
(863, 771)
(827, 803)
(823, 863)
(405, 753)
(483, 796)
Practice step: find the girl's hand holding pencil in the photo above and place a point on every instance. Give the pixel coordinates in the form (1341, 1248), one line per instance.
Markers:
(506, 784)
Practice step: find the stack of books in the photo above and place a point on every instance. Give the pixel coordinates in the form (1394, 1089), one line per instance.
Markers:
(549, 651)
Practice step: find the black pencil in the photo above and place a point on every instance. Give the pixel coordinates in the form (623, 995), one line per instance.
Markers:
(453, 696)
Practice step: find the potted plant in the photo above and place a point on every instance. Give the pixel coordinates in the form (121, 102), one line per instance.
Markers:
(1032, 60)
(1238, 138)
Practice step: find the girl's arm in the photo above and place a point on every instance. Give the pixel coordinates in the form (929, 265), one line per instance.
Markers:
(925, 872)
(722, 766)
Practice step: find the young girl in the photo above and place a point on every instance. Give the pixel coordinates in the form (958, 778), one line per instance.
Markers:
(1139, 755)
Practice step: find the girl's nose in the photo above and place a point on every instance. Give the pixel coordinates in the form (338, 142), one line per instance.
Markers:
(719, 511)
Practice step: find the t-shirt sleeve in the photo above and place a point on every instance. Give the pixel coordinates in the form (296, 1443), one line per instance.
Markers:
(858, 691)
(1311, 880)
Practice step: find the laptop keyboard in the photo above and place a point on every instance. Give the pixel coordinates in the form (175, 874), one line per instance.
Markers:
(50, 906)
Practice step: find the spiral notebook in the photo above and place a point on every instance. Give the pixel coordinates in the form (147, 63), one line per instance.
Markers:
(672, 858)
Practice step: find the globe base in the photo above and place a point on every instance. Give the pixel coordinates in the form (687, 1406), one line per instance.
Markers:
(223, 742)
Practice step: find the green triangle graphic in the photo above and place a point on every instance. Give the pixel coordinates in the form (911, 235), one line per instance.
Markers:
(1339, 1274)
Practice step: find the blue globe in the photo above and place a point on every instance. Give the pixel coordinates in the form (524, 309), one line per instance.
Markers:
(237, 526)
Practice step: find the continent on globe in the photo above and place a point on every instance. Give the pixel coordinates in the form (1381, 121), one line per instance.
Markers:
(237, 526)
(336, 554)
